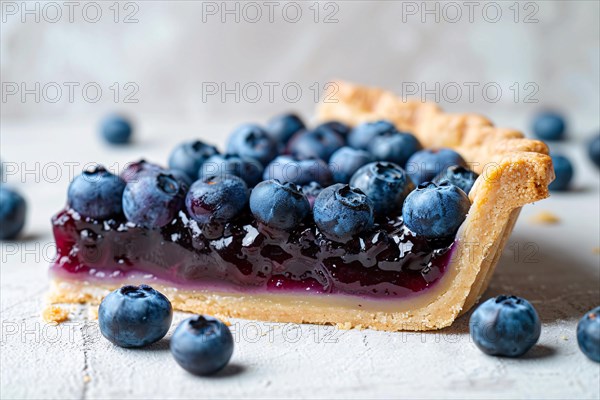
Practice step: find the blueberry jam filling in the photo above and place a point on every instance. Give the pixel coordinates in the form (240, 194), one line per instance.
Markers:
(389, 260)
(354, 226)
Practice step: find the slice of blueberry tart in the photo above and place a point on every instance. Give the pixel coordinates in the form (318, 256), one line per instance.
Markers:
(388, 215)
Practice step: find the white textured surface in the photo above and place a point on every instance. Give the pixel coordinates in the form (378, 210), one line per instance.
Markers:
(552, 266)
(173, 50)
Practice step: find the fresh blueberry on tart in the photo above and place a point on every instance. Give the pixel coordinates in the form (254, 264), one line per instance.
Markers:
(345, 161)
(363, 134)
(251, 140)
(249, 169)
(188, 157)
(301, 172)
(318, 143)
(425, 164)
(96, 193)
(333, 233)
(282, 127)
(394, 146)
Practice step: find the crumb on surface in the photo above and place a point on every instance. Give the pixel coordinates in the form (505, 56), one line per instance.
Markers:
(93, 312)
(55, 314)
(545, 218)
(87, 378)
(596, 250)
(564, 337)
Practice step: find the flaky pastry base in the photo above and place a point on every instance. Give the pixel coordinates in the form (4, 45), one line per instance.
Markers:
(513, 171)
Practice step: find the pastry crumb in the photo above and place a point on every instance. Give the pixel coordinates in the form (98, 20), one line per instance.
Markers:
(87, 378)
(596, 250)
(564, 337)
(545, 218)
(93, 313)
(344, 326)
(55, 314)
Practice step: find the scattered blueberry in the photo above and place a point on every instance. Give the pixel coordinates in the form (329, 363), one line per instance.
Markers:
(202, 345)
(346, 161)
(249, 169)
(116, 129)
(282, 127)
(341, 211)
(386, 185)
(189, 157)
(252, 141)
(311, 191)
(135, 316)
(563, 170)
(216, 198)
(153, 200)
(361, 136)
(424, 165)
(549, 126)
(505, 326)
(96, 193)
(13, 210)
(594, 150)
(435, 211)
(318, 143)
(458, 176)
(393, 146)
(279, 205)
(338, 127)
(588, 334)
(300, 172)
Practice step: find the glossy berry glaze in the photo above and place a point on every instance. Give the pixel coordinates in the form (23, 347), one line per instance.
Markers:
(388, 261)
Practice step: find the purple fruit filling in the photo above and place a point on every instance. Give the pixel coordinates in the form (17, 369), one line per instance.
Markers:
(242, 255)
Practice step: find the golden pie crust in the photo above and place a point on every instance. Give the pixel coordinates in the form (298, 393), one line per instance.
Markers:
(513, 171)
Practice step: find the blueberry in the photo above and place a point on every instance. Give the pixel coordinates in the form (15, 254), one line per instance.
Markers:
(549, 126)
(116, 129)
(346, 161)
(588, 334)
(153, 200)
(386, 185)
(459, 176)
(361, 136)
(252, 141)
(96, 193)
(319, 143)
(393, 146)
(202, 345)
(594, 150)
(133, 170)
(338, 127)
(279, 205)
(424, 165)
(282, 127)
(341, 212)
(563, 170)
(135, 316)
(189, 157)
(311, 191)
(435, 211)
(13, 210)
(249, 169)
(216, 198)
(300, 172)
(505, 326)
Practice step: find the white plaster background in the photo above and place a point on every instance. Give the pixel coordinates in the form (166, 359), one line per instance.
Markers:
(170, 52)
